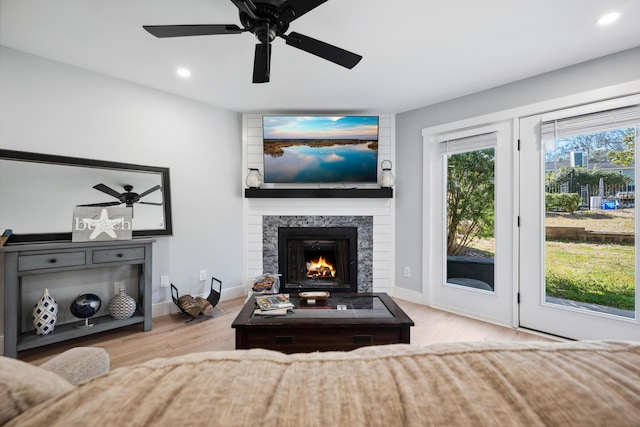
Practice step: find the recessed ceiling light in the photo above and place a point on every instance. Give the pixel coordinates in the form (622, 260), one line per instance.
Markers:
(183, 72)
(608, 18)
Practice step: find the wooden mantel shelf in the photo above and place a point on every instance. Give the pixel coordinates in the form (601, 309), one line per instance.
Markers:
(314, 193)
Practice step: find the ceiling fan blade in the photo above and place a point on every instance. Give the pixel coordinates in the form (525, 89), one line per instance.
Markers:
(323, 50)
(162, 31)
(105, 189)
(151, 190)
(261, 63)
(150, 203)
(246, 6)
(103, 204)
(294, 9)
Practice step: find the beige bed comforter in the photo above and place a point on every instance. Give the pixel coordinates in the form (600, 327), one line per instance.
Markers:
(458, 384)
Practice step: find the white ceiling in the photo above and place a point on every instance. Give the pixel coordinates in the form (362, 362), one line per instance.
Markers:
(416, 52)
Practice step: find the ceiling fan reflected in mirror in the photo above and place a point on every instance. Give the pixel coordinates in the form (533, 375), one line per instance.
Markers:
(266, 19)
(127, 198)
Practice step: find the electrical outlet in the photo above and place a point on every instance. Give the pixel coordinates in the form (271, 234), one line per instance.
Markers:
(203, 274)
(117, 286)
(164, 281)
(407, 272)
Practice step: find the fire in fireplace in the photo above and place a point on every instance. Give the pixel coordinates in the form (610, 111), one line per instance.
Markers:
(320, 268)
(318, 258)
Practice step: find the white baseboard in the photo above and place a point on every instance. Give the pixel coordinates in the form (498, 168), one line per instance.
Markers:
(407, 295)
(472, 315)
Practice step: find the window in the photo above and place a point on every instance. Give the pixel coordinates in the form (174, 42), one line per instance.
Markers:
(470, 210)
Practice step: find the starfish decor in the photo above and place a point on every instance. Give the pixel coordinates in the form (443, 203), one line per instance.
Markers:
(103, 225)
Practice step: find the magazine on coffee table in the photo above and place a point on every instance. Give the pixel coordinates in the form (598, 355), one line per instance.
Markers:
(274, 302)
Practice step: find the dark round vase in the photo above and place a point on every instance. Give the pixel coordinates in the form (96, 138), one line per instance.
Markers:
(85, 305)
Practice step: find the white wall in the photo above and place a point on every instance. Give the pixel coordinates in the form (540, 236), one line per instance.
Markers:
(49, 107)
(589, 76)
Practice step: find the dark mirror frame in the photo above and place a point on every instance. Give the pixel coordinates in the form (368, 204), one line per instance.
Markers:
(92, 163)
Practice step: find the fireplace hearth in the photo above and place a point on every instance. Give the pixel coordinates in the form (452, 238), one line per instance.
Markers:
(318, 258)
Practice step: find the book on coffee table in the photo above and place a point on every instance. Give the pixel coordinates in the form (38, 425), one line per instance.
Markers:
(274, 302)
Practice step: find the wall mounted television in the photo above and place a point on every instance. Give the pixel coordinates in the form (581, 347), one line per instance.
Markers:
(320, 149)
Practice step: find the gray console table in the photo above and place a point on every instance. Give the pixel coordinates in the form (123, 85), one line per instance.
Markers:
(19, 261)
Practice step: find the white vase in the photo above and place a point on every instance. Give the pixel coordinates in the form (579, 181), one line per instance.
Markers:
(254, 179)
(45, 314)
(122, 306)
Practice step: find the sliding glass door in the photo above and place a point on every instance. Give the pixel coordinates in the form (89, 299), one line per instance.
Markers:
(578, 256)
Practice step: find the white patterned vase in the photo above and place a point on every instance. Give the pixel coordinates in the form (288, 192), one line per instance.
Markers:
(45, 314)
(122, 306)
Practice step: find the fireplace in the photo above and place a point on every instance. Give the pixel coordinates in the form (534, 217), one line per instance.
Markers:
(318, 258)
(271, 256)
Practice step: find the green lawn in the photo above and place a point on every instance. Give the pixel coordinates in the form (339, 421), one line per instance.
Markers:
(620, 220)
(588, 272)
(594, 273)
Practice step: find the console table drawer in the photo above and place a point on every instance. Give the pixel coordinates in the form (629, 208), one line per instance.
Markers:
(53, 260)
(113, 255)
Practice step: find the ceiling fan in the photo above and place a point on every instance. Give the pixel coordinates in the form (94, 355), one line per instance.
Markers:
(128, 197)
(266, 19)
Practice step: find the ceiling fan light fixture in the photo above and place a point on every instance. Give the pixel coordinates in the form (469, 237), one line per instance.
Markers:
(264, 32)
(183, 72)
(609, 18)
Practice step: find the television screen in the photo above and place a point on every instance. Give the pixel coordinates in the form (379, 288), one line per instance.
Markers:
(320, 149)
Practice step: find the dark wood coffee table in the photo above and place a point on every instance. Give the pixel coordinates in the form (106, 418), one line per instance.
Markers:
(344, 321)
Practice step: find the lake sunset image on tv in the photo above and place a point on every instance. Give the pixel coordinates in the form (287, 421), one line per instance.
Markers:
(320, 149)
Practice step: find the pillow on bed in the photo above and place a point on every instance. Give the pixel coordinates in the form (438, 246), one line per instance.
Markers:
(23, 386)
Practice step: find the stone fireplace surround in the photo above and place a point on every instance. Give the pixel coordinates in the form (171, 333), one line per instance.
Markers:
(364, 224)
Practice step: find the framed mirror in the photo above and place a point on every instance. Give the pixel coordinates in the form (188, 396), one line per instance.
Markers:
(38, 193)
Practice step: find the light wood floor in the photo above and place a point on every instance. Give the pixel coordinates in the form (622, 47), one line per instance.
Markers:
(173, 336)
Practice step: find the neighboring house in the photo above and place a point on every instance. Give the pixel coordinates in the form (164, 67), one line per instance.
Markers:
(605, 166)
